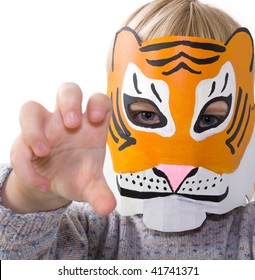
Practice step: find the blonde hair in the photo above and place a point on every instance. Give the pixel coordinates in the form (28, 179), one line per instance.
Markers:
(161, 18)
(181, 18)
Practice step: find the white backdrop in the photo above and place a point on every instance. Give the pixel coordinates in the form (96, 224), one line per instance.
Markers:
(44, 43)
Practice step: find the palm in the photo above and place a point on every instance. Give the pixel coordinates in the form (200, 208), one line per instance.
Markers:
(75, 163)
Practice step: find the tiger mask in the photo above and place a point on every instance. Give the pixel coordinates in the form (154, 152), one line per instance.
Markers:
(188, 162)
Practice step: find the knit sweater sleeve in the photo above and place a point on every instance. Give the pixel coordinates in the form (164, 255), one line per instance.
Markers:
(73, 232)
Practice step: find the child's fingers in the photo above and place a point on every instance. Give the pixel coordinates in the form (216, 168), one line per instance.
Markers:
(98, 108)
(32, 120)
(69, 103)
(97, 119)
(21, 161)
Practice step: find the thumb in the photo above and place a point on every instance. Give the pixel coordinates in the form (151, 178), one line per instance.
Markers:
(100, 197)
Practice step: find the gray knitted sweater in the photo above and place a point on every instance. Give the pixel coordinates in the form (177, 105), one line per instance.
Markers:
(76, 232)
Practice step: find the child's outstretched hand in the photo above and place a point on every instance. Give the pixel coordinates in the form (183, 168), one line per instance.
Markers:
(59, 156)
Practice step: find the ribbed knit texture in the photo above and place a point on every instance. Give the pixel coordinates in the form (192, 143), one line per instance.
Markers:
(76, 232)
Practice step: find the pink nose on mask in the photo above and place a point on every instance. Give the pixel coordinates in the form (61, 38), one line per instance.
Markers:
(175, 173)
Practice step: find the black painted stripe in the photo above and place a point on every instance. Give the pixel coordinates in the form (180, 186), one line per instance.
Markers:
(233, 137)
(199, 61)
(245, 128)
(154, 91)
(180, 66)
(240, 93)
(196, 45)
(136, 84)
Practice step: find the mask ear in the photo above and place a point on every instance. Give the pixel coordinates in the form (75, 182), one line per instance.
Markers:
(240, 52)
(240, 45)
(126, 45)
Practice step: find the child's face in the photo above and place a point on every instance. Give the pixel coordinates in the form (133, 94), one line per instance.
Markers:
(182, 126)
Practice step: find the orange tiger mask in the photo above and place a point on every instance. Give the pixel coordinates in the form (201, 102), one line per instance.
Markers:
(187, 163)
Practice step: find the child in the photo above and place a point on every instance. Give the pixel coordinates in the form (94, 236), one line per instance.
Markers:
(58, 158)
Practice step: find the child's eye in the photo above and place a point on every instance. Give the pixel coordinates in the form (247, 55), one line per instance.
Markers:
(146, 117)
(212, 115)
(210, 120)
(144, 113)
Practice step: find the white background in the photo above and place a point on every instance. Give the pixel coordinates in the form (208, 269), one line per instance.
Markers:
(44, 43)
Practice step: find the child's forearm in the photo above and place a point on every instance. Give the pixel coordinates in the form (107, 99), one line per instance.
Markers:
(20, 233)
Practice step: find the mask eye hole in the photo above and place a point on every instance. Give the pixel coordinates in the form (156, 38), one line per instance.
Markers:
(143, 113)
(213, 114)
